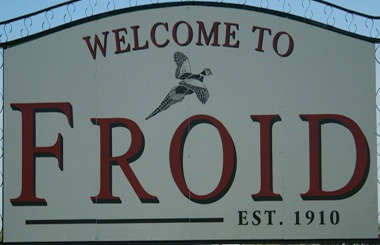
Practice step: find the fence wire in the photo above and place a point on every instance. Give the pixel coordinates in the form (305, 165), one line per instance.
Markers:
(333, 16)
(319, 11)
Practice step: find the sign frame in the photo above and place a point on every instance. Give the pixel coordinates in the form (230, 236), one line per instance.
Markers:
(65, 111)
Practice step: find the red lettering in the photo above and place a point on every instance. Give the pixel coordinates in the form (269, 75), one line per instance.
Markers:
(97, 43)
(153, 34)
(266, 190)
(189, 33)
(290, 45)
(176, 159)
(30, 151)
(362, 158)
(207, 38)
(107, 160)
(261, 36)
(136, 39)
(231, 33)
(119, 40)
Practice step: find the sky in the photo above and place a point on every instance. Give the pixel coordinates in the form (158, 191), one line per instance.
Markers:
(371, 7)
(14, 8)
(10, 9)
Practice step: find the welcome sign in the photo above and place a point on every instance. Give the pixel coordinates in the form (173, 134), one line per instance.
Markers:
(190, 122)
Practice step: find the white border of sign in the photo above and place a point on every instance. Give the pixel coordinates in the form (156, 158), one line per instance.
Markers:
(242, 146)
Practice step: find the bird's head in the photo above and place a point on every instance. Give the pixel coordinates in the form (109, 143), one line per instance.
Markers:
(206, 72)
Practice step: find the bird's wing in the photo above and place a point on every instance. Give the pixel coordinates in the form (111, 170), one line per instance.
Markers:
(183, 65)
(170, 99)
(202, 95)
(201, 90)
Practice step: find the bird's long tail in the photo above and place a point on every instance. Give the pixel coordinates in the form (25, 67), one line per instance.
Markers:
(170, 99)
(166, 103)
(159, 109)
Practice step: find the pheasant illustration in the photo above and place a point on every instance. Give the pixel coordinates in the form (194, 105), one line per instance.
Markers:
(190, 83)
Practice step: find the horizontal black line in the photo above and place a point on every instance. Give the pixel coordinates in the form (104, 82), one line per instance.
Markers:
(122, 221)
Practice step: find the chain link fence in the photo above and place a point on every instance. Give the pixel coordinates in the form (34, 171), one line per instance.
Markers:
(69, 13)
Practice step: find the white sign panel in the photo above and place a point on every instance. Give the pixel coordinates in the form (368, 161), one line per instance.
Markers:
(190, 123)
